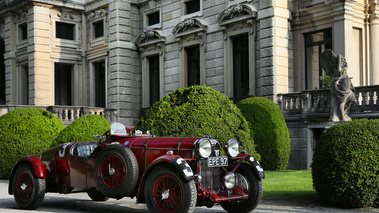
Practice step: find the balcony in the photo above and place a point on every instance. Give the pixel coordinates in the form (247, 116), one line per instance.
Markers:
(314, 105)
(67, 114)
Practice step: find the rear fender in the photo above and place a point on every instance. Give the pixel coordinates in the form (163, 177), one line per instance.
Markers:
(38, 166)
(176, 161)
(256, 166)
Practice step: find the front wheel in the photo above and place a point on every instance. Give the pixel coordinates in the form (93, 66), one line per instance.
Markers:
(96, 195)
(250, 184)
(166, 191)
(28, 189)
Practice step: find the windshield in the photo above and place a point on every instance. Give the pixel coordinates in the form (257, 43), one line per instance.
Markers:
(118, 129)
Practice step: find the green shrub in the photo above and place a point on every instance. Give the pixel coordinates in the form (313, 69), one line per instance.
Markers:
(84, 129)
(269, 130)
(25, 132)
(345, 168)
(197, 111)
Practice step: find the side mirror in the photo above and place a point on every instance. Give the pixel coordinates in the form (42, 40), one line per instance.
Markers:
(98, 137)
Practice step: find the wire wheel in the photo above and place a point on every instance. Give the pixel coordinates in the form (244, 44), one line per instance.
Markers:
(113, 171)
(25, 186)
(166, 191)
(167, 194)
(249, 183)
(28, 189)
(116, 171)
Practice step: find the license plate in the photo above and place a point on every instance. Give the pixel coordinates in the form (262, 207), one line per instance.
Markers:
(217, 161)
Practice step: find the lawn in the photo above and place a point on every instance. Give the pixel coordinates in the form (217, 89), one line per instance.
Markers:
(288, 184)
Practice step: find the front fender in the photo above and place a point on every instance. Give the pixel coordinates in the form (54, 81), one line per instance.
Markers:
(178, 162)
(257, 168)
(38, 166)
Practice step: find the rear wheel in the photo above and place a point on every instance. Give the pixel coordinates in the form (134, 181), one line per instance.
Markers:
(28, 189)
(166, 191)
(116, 171)
(248, 182)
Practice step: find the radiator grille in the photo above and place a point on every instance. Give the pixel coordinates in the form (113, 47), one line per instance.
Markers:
(211, 177)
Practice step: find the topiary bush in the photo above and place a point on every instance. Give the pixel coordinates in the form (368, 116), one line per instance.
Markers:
(345, 168)
(269, 130)
(84, 129)
(25, 132)
(197, 111)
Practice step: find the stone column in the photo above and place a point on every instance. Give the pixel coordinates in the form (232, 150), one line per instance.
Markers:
(124, 75)
(374, 48)
(39, 49)
(10, 59)
(273, 45)
(343, 15)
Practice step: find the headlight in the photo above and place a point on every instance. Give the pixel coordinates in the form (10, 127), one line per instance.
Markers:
(232, 147)
(204, 147)
(230, 181)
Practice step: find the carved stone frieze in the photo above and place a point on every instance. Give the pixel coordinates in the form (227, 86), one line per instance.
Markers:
(236, 13)
(150, 36)
(21, 16)
(63, 15)
(150, 40)
(101, 13)
(189, 26)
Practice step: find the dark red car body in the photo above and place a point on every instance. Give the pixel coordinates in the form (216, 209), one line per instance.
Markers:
(86, 167)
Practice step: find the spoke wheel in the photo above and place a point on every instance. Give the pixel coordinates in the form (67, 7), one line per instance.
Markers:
(116, 171)
(28, 189)
(167, 194)
(167, 191)
(25, 186)
(113, 171)
(97, 195)
(248, 182)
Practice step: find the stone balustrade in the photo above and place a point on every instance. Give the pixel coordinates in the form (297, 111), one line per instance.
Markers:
(315, 104)
(307, 115)
(67, 114)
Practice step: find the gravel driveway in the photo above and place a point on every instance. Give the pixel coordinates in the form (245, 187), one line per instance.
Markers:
(80, 202)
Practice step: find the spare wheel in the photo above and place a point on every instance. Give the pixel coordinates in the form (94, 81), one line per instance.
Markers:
(116, 171)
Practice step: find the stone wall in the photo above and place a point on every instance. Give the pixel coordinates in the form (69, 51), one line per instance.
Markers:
(299, 148)
(124, 50)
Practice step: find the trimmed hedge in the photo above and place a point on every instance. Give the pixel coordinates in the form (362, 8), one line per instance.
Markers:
(197, 111)
(269, 131)
(345, 168)
(25, 132)
(84, 129)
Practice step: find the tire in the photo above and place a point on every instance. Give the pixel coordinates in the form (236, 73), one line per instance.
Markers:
(96, 195)
(255, 192)
(116, 171)
(28, 189)
(167, 191)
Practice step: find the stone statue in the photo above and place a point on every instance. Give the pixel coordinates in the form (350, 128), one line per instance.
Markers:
(341, 88)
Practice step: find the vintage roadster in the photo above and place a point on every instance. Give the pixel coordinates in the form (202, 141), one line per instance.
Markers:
(168, 174)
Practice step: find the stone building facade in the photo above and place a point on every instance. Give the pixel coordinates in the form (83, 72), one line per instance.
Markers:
(127, 54)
